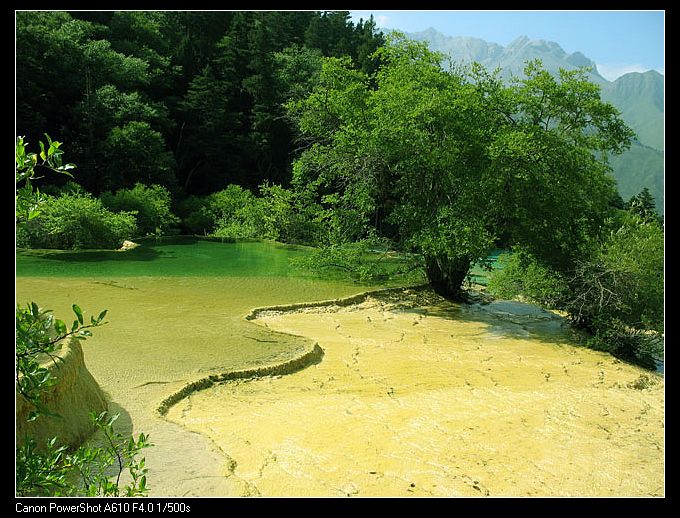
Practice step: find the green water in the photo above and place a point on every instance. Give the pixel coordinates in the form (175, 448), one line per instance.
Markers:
(178, 256)
(176, 306)
(479, 273)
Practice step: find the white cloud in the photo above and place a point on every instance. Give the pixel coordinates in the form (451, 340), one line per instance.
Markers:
(382, 20)
(612, 71)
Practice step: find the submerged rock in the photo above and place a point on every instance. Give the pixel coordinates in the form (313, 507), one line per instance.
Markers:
(127, 245)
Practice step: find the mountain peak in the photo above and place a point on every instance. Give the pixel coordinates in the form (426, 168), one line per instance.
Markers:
(431, 30)
(649, 76)
(518, 42)
(526, 44)
(511, 58)
(579, 60)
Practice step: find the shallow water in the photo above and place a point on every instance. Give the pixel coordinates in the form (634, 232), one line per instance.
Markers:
(175, 312)
(436, 399)
(410, 398)
(182, 256)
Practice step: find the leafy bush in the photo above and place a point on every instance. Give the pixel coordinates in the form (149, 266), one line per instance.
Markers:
(70, 187)
(150, 204)
(54, 471)
(286, 217)
(75, 221)
(236, 213)
(277, 213)
(616, 294)
(233, 212)
(136, 152)
(195, 219)
(619, 294)
(520, 275)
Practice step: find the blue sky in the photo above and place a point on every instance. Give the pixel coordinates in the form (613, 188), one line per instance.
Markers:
(618, 41)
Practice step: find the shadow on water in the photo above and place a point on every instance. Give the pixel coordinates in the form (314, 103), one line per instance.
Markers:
(149, 249)
(500, 318)
(141, 253)
(123, 424)
(170, 240)
(167, 256)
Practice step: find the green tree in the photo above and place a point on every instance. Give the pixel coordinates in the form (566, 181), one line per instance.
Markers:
(124, 76)
(135, 153)
(616, 293)
(446, 162)
(209, 85)
(150, 204)
(75, 221)
(48, 50)
(643, 205)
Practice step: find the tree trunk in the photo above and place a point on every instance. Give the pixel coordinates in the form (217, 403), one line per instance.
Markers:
(446, 275)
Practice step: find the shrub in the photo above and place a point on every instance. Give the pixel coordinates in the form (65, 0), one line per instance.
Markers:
(75, 221)
(619, 294)
(234, 212)
(616, 294)
(521, 275)
(150, 204)
(136, 151)
(285, 217)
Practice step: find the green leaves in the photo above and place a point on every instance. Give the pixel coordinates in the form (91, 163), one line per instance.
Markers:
(28, 201)
(60, 327)
(75, 220)
(87, 471)
(78, 312)
(448, 161)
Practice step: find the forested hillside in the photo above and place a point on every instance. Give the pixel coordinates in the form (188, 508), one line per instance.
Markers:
(188, 100)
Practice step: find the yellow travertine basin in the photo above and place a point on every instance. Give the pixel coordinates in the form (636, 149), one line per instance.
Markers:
(412, 395)
(419, 396)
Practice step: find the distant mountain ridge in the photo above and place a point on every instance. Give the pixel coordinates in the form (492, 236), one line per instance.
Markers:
(638, 96)
(509, 59)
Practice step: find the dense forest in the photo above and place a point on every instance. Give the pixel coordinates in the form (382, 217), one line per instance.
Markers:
(191, 101)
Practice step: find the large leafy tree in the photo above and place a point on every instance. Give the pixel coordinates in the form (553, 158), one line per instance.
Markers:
(447, 162)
